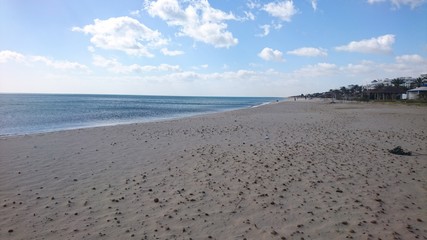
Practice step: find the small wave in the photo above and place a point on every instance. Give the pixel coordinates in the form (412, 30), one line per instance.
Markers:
(264, 103)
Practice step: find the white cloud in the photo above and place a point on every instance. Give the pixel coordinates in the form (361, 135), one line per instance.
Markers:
(381, 44)
(6, 56)
(266, 30)
(317, 70)
(124, 34)
(10, 56)
(269, 54)
(397, 3)
(135, 13)
(359, 68)
(168, 52)
(203, 66)
(253, 4)
(57, 64)
(249, 16)
(277, 26)
(284, 10)
(314, 4)
(115, 66)
(405, 65)
(198, 20)
(309, 52)
(414, 58)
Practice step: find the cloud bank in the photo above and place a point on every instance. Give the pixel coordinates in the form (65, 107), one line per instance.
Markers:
(269, 54)
(113, 65)
(198, 20)
(283, 10)
(125, 34)
(397, 3)
(309, 52)
(11, 56)
(381, 44)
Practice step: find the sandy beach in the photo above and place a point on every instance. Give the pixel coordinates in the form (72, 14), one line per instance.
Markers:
(290, 170)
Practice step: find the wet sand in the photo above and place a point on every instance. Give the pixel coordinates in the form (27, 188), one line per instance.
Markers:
(291, 170)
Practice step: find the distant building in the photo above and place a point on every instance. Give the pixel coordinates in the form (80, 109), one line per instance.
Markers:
(387, 82)
(386, 93)
(408, 82)
(417, 93)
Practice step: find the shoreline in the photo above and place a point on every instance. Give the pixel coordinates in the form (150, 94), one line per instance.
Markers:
(131, 122)
(282, 170)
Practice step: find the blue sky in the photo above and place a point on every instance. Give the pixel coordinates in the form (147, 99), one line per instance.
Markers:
(209, 48)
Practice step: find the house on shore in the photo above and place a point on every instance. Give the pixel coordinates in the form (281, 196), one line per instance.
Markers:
(417, 93)
(386, 93)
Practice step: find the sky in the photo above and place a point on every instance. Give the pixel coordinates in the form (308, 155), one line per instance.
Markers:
(208, 48)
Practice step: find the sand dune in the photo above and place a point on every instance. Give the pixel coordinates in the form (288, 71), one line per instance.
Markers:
(291, 170)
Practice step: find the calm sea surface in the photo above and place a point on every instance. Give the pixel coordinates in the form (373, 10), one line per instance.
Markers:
(36, 113)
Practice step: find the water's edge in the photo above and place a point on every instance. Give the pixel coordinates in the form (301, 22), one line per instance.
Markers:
(93, 123)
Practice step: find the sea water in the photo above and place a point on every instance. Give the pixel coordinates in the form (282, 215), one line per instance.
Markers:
(36, 113)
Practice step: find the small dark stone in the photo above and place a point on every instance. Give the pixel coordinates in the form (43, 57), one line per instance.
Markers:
(399, 151)
(156, 200)
(10, 230)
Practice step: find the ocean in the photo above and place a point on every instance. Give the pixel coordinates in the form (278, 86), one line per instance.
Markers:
(37, 113)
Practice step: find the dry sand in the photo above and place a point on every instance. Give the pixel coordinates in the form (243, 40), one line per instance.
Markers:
(292, 170)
